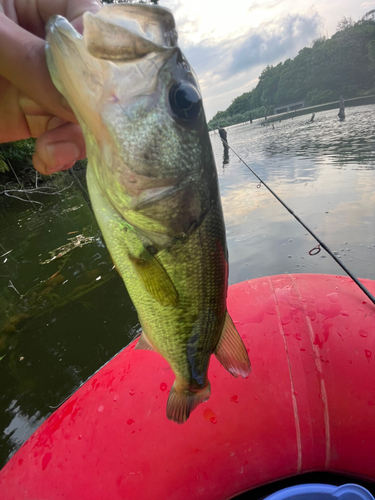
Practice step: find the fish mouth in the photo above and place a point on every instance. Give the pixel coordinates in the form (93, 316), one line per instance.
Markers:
(128, 32)
(119, 43)
(69, 64)
(118, 32)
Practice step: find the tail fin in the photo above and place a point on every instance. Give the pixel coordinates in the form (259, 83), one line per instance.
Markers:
(231, 351)
(181, 403)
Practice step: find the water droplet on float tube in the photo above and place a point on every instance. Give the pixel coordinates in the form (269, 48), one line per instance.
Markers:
(234, 399)
(101, 408)
(132, 392)
(368, 355)
(210, 416)
(163, 386)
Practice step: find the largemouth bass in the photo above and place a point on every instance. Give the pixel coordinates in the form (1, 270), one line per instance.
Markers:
(153, 185)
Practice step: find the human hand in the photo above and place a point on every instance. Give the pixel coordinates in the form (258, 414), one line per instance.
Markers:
(30, 105)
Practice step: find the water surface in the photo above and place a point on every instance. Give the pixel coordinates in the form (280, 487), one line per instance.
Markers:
(324, 171)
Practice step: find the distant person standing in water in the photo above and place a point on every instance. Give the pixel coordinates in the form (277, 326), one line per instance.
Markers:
(30, 105)
(342, 109)
(223, 135)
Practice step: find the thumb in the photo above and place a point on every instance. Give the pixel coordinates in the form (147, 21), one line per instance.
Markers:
(21, 54)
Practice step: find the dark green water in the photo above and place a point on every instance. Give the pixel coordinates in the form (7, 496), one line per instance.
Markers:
(55, 333)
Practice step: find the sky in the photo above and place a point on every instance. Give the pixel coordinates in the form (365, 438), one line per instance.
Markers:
(230, 42)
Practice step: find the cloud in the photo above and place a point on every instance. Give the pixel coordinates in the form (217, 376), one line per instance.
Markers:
(228, 49)
(273, 43)
(269, 43)
(225, 65)
(264, 6)
(208, 56)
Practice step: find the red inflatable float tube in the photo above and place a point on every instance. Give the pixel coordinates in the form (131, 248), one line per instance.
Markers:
(308, 405)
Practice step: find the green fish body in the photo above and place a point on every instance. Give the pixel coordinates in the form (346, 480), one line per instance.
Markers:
(153, 185)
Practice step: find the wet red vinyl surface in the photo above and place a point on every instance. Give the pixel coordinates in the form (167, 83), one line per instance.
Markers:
(309, 404)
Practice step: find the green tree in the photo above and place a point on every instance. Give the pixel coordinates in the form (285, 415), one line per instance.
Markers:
(341, 65)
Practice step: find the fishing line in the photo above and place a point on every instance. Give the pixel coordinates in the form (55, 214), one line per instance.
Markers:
(316, 249)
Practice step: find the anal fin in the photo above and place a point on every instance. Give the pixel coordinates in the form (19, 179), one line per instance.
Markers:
(181, 403)
(156, 280)
(143, 343)
(231, 351)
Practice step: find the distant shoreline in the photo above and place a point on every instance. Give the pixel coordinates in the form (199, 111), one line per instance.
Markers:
(355, 101)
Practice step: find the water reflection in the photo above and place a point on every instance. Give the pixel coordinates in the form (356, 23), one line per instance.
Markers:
(225, 156)
(324, 171)
(63, 318)
(345, 143)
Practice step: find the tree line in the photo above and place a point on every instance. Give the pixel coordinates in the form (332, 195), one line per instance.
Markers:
(341, 65)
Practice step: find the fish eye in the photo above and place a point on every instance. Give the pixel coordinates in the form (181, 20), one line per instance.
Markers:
(185, 101)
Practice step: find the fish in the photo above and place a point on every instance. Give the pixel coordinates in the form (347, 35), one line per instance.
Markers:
(153, 185)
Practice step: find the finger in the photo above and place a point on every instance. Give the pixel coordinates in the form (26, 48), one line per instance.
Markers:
(22, 53)
(13, 124)
(59, 148)
(37, 118)
(72, 10)
(33, 16)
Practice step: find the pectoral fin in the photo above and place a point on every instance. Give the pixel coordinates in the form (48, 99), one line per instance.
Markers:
(231, 351)
(143, 343)
(155, 279)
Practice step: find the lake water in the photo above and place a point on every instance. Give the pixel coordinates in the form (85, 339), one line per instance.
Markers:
(62, 318)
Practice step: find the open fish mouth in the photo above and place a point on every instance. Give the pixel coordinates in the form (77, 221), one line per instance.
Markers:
(136, 34)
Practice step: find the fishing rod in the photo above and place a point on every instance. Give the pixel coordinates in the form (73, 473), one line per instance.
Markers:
(315, 250)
